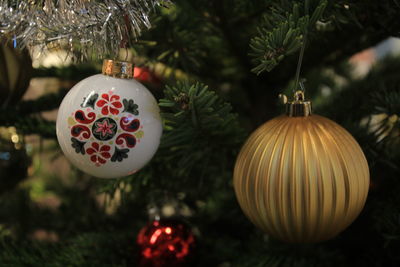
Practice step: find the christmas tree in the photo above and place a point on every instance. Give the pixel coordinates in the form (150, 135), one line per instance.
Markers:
(216, 69)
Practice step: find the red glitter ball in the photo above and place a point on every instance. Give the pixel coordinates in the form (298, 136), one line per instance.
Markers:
(165, 243)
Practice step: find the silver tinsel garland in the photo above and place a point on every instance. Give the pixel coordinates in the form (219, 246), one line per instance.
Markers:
(87, 27)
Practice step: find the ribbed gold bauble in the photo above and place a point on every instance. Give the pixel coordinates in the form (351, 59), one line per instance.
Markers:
(301, 177)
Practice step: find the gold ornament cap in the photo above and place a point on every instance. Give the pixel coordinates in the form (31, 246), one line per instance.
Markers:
(117, 69)
(298, 107)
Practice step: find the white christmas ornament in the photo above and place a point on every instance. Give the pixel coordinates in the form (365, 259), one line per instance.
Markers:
(109, 125)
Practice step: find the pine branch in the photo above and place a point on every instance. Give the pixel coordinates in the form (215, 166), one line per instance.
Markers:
(198, 123)
(25, 116)
(70, 73)
(194, 111)
(29, 125)
(83, 250)
(283, 34)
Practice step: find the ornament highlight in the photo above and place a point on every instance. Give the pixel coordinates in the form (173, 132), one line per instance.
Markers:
(109, 125)
(301, 177)
(165, 243)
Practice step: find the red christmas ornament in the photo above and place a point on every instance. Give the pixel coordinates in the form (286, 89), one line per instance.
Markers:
(165, 243)
(146, 76)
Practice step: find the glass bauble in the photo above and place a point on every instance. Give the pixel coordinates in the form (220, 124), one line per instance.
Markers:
(109, 124)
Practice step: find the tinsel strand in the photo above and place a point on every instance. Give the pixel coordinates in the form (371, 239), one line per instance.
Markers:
(88, 28)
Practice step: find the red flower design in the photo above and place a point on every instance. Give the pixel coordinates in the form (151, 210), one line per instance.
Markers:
(109, 104)
(99, 154)
(105, 128)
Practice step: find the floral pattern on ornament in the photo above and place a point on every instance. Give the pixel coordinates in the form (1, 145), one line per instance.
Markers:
(104, 129)
(99, 153)
(109, 104)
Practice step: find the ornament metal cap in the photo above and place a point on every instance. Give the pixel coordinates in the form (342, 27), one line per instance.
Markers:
(298, 107)
(117, 69)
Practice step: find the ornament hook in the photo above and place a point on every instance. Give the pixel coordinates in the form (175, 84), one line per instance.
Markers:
(301, 84)
(299, 107)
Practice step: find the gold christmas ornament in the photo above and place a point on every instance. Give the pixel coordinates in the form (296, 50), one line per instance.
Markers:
(301, 177)
(15, 74)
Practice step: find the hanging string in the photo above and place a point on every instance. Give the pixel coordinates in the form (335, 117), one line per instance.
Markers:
(299, 63)
(126, 54)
